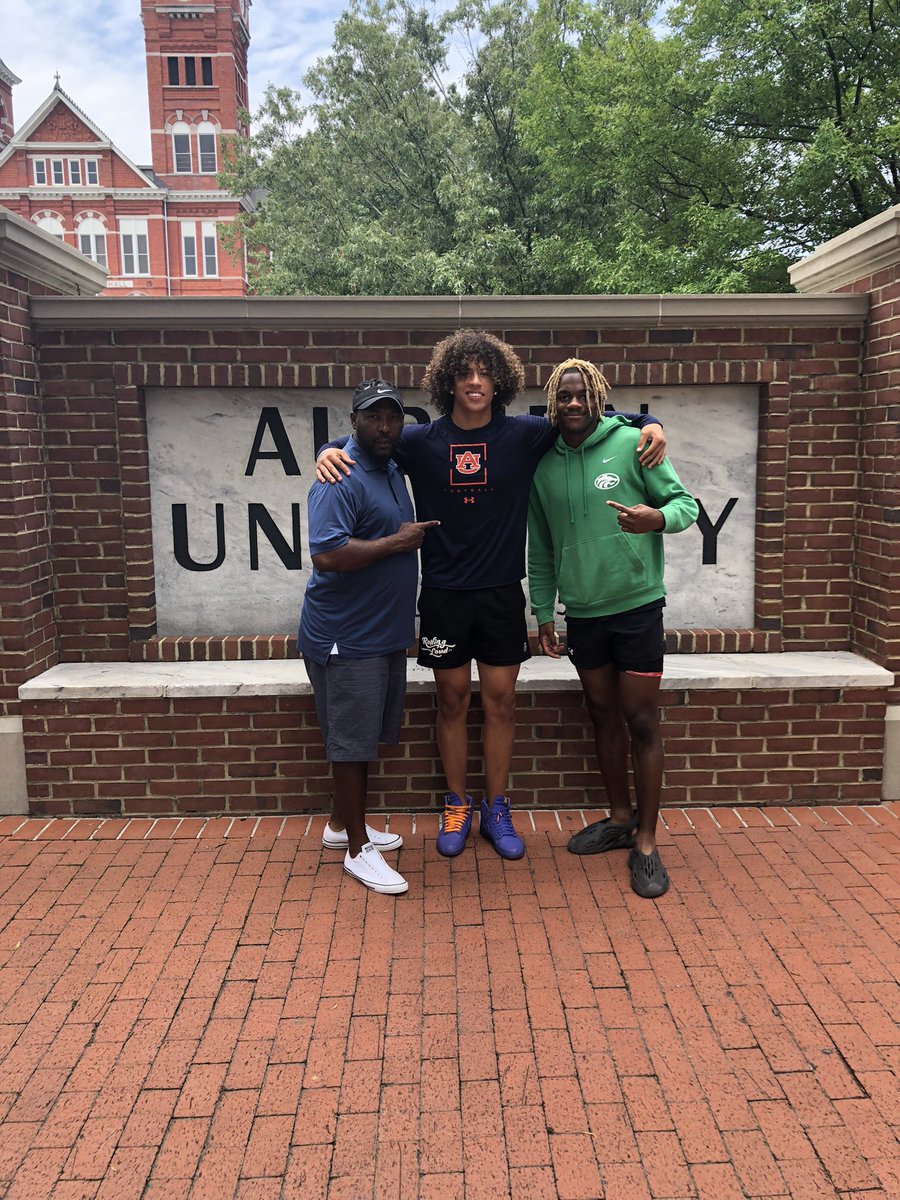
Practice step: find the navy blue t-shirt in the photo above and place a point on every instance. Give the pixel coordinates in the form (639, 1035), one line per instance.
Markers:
(476, 482)
(370, 611)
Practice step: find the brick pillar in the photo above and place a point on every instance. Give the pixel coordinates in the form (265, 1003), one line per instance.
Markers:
(31, 264)
(867, 260)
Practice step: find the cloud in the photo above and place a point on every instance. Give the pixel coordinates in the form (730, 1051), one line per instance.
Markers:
(99, 53)
(285, 41)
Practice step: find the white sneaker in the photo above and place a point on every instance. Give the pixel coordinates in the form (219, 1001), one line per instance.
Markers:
(372, 871)
(381, 841)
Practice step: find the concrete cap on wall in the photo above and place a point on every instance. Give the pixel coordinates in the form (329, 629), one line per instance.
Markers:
(440, 313)
(856, 254)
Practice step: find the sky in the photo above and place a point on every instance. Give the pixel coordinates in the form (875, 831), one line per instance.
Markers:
(98, 50)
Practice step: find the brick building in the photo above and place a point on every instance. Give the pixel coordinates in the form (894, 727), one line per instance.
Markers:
(155, 228)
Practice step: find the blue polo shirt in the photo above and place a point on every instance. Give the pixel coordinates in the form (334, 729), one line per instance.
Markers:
(370, 611)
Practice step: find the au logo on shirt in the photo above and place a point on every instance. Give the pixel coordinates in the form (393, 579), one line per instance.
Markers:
(468, 465)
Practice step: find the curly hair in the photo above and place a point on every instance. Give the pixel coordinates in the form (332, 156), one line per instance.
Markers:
(595, 383)
(452, 355)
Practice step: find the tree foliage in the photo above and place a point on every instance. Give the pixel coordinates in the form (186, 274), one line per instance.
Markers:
(739, 140)
(574, 146)
(393, 179)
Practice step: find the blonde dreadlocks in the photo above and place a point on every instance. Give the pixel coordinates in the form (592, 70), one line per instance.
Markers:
(594, 382)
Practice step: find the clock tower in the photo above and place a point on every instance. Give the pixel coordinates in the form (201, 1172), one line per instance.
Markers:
(197, 85)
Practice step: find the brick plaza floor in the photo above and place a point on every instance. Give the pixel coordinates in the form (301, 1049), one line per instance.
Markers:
(209, 1010)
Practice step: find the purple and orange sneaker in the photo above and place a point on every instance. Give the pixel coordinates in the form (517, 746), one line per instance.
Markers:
(456, 821)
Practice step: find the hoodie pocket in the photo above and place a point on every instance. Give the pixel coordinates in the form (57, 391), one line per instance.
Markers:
(599, 569)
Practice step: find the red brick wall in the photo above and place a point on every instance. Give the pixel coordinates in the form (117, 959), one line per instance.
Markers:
(27, 632)
(252, 755)
(264, 754)
(86, 484)
(876, 573)
(807, 479)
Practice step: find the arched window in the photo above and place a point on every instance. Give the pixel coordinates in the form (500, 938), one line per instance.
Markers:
(52, 225)
(181, 148)
(206, 145)
(92, 240)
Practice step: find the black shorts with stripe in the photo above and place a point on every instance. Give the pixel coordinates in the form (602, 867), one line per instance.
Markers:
(633, 641)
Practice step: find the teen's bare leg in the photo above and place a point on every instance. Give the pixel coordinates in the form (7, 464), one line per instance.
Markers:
(336, 820)
(601, 692)
(640, 704)
(498, 702)
(454, 692)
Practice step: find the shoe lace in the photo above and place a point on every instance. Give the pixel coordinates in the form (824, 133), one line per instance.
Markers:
(501, 818)
(372, 856)
(455, 817)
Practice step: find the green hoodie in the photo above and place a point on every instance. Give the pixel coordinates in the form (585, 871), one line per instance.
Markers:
(575, 545)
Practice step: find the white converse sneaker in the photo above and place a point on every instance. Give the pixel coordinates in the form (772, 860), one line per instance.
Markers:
(372, 871)
(381, 841)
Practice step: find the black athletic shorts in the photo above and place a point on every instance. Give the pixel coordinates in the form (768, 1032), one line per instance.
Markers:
(487, 624)
(633, 641)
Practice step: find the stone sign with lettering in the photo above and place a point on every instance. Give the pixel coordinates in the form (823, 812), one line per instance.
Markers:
(230, 469)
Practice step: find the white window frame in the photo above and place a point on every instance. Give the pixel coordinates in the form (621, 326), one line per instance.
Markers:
(210, 245)
(131, 232)
(76, 176)
(205, 130)
(189, 260)
(58, 172)
(92, 172)
(181, 148)
(58, 230)
(39, 166)
(91, 235)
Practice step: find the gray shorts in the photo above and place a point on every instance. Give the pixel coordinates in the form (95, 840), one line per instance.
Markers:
(359, 703)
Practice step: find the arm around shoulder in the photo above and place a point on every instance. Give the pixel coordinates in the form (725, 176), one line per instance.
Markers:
(332, 461)
(651, 447)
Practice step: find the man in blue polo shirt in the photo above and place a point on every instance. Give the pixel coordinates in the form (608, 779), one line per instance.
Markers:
(357, 621)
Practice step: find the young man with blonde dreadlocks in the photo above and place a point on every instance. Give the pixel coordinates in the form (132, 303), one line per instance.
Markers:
(594, 523)
(471, 470)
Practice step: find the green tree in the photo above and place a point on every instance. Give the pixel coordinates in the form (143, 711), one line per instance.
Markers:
(392, 180)
(582, 146)
(709, 156)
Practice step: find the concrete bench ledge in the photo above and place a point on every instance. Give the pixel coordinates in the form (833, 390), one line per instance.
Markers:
(704, 672)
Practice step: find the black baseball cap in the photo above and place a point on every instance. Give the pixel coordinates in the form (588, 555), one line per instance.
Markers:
(373, 390)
